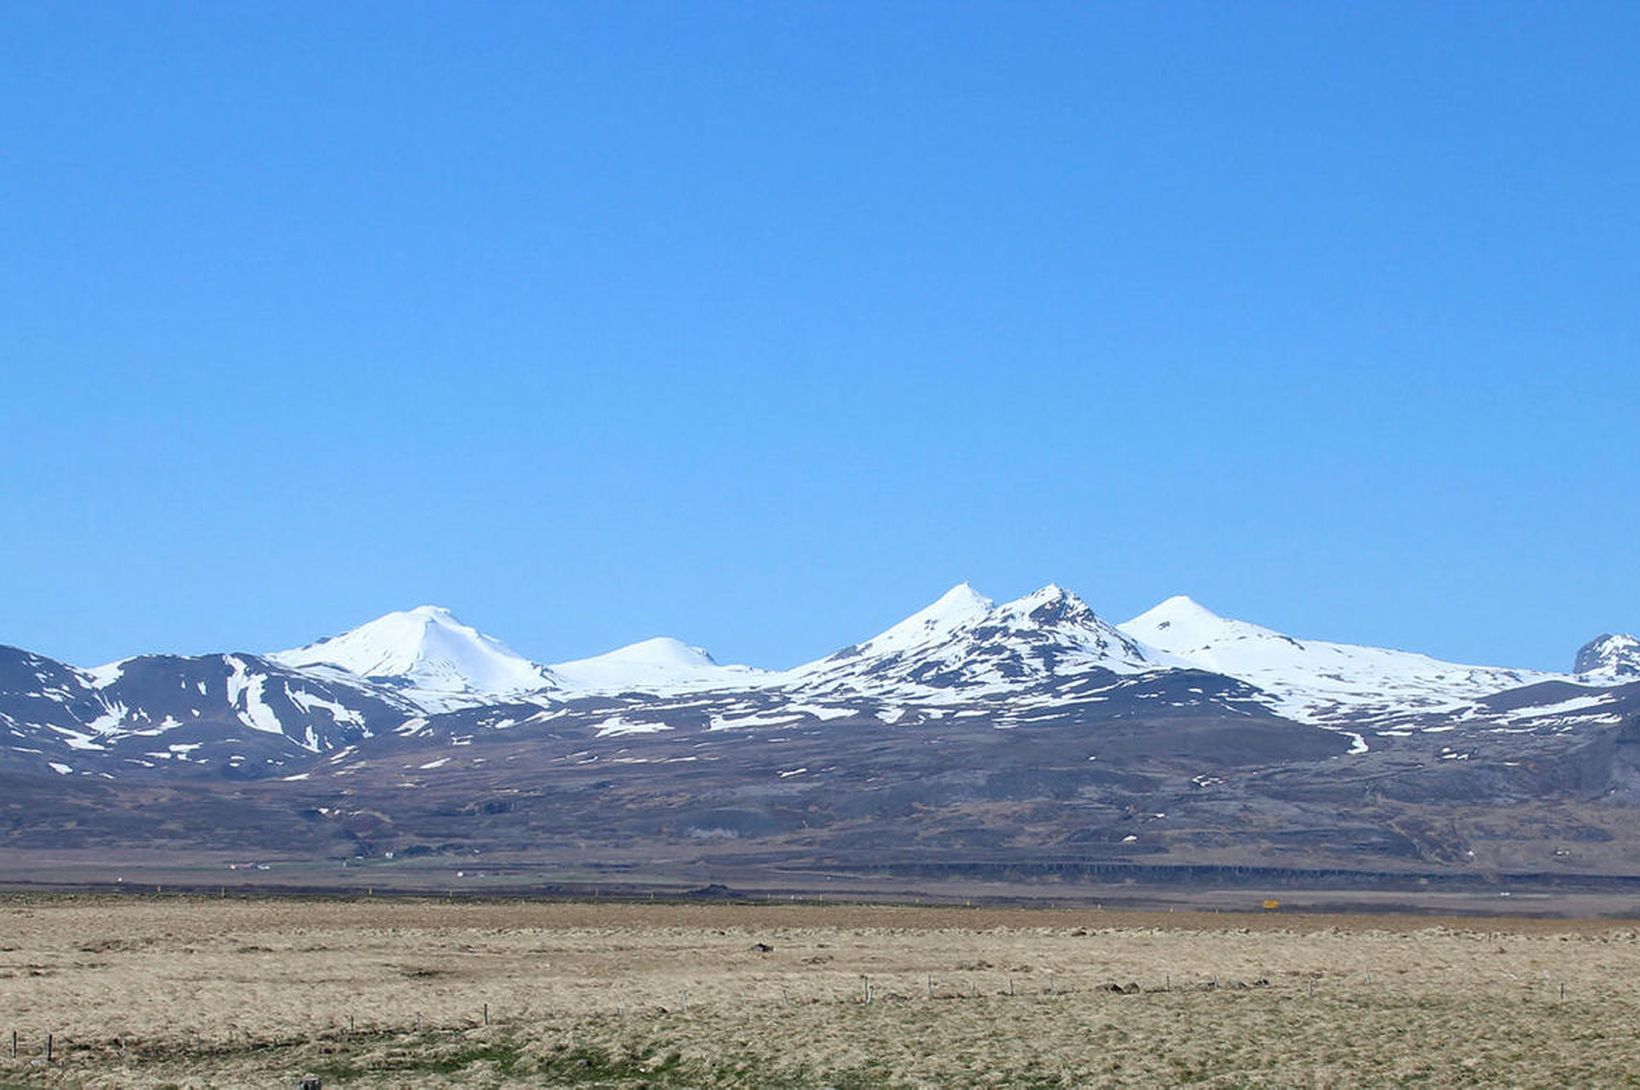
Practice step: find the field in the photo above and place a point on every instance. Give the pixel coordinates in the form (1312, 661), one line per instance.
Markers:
(154, 992)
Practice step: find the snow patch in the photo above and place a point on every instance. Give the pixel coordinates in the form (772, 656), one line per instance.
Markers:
(617, 725)
(245, 695)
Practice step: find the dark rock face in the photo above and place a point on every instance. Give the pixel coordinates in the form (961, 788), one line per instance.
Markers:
(1614, 654)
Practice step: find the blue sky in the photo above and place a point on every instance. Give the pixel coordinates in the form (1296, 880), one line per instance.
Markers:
(760, 325)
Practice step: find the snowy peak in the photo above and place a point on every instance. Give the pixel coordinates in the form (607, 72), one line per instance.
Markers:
(961, 600)
(1183, 626)
(1053, 605)
(1610, 656)
(1054, 616)
(964, 647)
(956, 607)
(660, 665)
(1181, 616)
(425, 649)
(660, 651)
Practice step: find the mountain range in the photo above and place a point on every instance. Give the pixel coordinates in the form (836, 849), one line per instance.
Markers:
(1023, 729)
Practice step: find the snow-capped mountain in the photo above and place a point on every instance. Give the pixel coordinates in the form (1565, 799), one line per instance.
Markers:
(1610, 656)
(427, 654)
(963, 647)
(972, 738)
(1044, 658)
(661, 665)
(1318, 681)
(431, 658)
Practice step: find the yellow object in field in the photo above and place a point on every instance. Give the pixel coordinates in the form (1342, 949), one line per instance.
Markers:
(1271, 905)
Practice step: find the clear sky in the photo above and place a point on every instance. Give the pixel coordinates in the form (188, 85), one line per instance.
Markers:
(762, 324)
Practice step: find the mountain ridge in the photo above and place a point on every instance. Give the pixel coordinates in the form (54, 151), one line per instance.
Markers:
(1045, 656)
(1021, 736)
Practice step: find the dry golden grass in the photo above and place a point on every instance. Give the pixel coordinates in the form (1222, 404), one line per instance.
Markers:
(195, 993)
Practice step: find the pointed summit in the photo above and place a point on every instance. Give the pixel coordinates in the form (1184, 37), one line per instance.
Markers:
(957, 606)
(1053, 604)
(961, 599)
(425, 649)
(1053, 592)
(1055, 616)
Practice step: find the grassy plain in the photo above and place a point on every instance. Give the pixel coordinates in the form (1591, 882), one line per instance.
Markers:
(185, 992)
